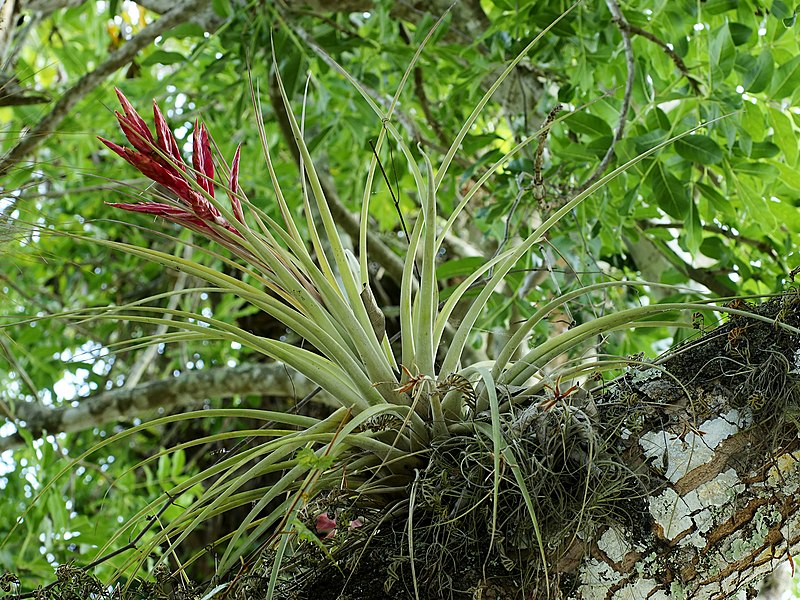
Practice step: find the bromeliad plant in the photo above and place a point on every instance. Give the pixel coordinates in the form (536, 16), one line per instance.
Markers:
(453, 455)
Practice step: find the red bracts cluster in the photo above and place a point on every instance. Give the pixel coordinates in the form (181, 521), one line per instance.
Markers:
(159, 159)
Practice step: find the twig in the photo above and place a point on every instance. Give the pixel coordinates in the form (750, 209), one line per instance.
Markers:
(143, 361)
(762, 246)
(38, 593)
(406, 121)
(538, 180)
(120, 57)
(34, 299)
(396, 201)
(667, 50)
(704, 277)
(419, 90)
(23, 374)
(630, 61)
(391, 191)
(110, 186)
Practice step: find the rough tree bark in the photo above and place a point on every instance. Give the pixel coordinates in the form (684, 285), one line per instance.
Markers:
(719, 445)
(711, 433)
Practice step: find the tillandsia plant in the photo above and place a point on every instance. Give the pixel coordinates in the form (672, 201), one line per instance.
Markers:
(467, 456)
(452, 465)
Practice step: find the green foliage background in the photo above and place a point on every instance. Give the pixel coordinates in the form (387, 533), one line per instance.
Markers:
(718, 208)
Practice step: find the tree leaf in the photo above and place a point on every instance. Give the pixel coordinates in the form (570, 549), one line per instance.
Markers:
(222, 7)
(786, 79)
(658, 119)
(760, 74)
(756, 207)
(716, 7)
(790, 177)
(700, 149)
(669, 193)
(717, 201)
(162, 57)
(584, 123)
(764, 150)
(721, 53)
(693, 230)
(740, 33)
(762, 171)
(783, 134)
(184, 30)
(779, 10)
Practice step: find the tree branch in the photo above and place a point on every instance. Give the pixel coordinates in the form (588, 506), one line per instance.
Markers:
(667, 49)
(266, 379)
(758, 244)
(206, 18)
(120, 57)
(378, 251)
(652, 256)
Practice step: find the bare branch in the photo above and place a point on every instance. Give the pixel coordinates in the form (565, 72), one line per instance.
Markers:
(206, 18)
(764, 247)
(143, 361)
(667, 50)
(269, 379)
(48, 7)
(378, 251)
(652, 256)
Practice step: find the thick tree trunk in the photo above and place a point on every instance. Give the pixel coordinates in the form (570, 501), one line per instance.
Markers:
(720, 446)
(711, 434)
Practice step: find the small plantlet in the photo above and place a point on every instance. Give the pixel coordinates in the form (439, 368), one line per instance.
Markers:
(414, 383)
(557, 394)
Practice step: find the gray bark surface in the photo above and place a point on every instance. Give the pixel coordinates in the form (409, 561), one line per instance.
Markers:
(264, 379)
(719, 446)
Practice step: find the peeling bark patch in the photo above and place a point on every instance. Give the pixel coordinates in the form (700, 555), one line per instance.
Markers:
(670, 514)
(785, 473)
(600, 582)
(749, 540)
(614, 543)
(685, 519)
(721, 455)
(596, 578)
(641, 588)
(678, 455)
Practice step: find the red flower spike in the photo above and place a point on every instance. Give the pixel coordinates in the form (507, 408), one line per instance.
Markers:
(159, 159)
(233, 186)
(133, 126)
(166, 141)
(152, 169)
(169, 212)
(115, 147)
(201, 158)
